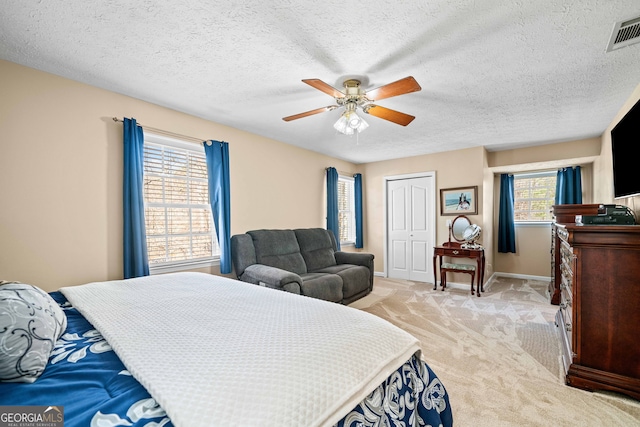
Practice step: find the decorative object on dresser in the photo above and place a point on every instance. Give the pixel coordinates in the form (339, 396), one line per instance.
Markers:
(462, 230)
(599, 313)
(610, 215)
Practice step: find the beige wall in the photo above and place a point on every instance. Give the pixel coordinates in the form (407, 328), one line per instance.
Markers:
(489, 211)
(448, 175)
(547, 156)
(481, 168)
(603, 182)
(533, 242)
(532, 257)
(61, 185)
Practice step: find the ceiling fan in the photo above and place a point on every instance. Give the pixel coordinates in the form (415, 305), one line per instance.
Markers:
(354, 97)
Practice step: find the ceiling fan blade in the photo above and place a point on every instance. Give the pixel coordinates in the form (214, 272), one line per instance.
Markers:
(388, 114)
(400, 87)
(309, 113)
(324, 87)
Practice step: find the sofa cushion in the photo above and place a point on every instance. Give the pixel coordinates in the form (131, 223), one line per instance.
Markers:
(355, 278)
(323, 286)
(316, 247)
(278, 248)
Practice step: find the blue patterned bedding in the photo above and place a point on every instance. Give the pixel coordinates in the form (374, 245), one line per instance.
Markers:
(88, 379)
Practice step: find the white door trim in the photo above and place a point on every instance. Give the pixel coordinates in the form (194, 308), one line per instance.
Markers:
(386, 179)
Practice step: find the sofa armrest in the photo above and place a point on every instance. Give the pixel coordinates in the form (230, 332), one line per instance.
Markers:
(357, 258)
(272, 277)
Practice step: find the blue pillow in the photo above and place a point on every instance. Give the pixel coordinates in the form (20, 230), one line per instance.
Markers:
(30, 324)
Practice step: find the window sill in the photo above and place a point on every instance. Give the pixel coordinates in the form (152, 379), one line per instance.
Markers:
(172, 267)
(533, 223)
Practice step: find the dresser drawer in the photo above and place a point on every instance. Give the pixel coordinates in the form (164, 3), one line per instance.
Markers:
(566, 278)
(566, 296)
(458, 252)
(566, 305)
(566, 257)
(565, 341)
(563, 233)
(567, 325)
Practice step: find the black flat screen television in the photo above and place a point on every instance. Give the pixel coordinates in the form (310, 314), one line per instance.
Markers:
(625, 142)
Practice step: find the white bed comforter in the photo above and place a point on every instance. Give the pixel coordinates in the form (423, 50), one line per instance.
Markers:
(216, 351)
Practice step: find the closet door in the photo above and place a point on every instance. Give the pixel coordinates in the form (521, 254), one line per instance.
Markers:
(410, 237)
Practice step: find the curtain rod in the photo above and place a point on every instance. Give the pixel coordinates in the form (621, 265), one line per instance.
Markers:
(166, 133)
(341, 172)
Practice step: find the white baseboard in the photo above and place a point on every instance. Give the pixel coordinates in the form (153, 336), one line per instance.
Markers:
(521, 276)
(487, 285)
(494, 276)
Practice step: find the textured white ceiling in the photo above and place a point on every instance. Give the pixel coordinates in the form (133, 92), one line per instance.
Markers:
(494, 73)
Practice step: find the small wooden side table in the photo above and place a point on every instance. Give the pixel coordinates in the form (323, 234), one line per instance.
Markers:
(455, 250)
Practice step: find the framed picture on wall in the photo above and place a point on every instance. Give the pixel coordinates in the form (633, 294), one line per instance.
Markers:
(459, 201)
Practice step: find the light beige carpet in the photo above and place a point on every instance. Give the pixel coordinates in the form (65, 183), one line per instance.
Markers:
(498, 356)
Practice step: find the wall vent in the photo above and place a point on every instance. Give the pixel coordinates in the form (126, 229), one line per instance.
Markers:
(624, 33)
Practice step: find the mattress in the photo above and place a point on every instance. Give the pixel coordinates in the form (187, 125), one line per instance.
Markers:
(191, 349)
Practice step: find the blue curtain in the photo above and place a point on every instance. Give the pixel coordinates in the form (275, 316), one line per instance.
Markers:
(332, 203)
(217, 154)
(506, 218)
(569, 186)
(357, 189)
(136, 262)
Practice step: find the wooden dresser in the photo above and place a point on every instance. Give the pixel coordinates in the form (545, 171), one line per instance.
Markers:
(599, 315)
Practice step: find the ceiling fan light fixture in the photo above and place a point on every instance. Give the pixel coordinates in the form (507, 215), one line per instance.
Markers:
(349, 123)
(342, 126)
(353, 97)
(361, 124)
(354, 120)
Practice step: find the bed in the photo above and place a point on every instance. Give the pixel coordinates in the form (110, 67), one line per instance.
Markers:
(193, 349)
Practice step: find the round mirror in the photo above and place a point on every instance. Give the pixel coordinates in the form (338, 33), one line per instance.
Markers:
(458, 227)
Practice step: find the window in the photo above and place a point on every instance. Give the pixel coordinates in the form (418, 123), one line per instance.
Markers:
(346, 209)
(177, 212)
(534, 195)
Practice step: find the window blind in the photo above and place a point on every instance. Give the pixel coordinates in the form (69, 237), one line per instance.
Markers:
(177, 211)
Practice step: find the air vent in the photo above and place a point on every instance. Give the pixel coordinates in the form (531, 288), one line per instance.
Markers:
(624, 33)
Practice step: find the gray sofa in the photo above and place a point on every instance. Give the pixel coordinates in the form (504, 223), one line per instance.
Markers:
(302, 261)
